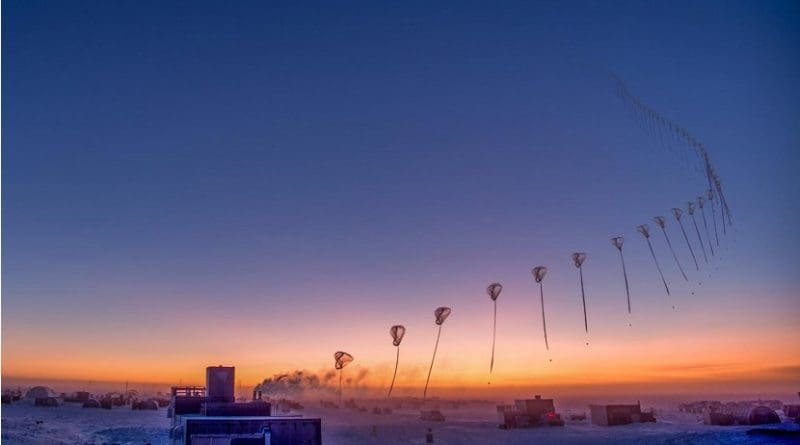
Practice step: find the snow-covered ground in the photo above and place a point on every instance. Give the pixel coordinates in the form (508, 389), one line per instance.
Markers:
(23, 423)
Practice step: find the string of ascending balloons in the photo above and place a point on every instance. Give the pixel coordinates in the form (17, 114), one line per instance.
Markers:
(397, 332)
(670, 134)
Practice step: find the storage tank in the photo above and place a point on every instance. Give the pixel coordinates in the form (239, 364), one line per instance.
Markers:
(220, 384)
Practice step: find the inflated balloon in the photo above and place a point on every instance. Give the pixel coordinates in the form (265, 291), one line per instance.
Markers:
(722, 206)
(644, 229)
(397, 332)
(662, 222)
(678, 213)
(617, 242)
(701, 204)
(653, 122)
(726, 211)
(690, 210)
(578, 258)
(342, 359)
(538, 274)
(493, 290)
(441, 314)
(710, 196)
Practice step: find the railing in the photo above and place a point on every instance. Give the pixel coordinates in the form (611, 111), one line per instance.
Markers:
(189, 391)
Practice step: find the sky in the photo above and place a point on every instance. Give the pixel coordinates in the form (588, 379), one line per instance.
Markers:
(261, 184)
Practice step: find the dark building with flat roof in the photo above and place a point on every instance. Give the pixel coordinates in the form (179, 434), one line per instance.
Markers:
(525, 413)
(209, 415)
(611, 415)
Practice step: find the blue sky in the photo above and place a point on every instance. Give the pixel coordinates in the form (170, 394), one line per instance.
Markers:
(278, 157)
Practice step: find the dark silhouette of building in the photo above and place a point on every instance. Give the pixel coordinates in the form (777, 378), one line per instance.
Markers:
(205, 415)
(611, 415)
(718, 418)
(526, 413)
(791, 411)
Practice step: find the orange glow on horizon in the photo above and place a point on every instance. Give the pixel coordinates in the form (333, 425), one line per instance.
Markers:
(651, 364)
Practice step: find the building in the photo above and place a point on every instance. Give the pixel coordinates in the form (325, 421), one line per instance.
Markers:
(791, 411)
(700, 407)
(741, 413)
(526, 413)
(77, 397)
(718, 418)
(611, 415)
(210, 416)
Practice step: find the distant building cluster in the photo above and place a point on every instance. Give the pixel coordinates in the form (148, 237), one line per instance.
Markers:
(750, 412)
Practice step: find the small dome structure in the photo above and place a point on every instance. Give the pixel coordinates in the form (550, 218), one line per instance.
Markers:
(39, 392)
(762, 415)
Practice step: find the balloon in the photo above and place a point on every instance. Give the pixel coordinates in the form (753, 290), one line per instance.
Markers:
(690, 209)
(644, 229)
(578, 258)
(493, 290)
(662, 222)
(397, 332)
(678, 213)
(441, 314)
(342, 359)
(710, 195)
(538, 274)
(617, 242)
(701, 204)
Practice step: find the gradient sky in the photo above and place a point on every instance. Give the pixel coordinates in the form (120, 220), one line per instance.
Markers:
(261, 184)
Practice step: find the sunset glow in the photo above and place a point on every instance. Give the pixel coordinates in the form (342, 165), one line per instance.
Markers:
(263, 186)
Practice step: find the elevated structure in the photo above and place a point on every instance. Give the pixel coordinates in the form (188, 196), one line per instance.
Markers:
(220, 383)
(209, 415)
(186, 400)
